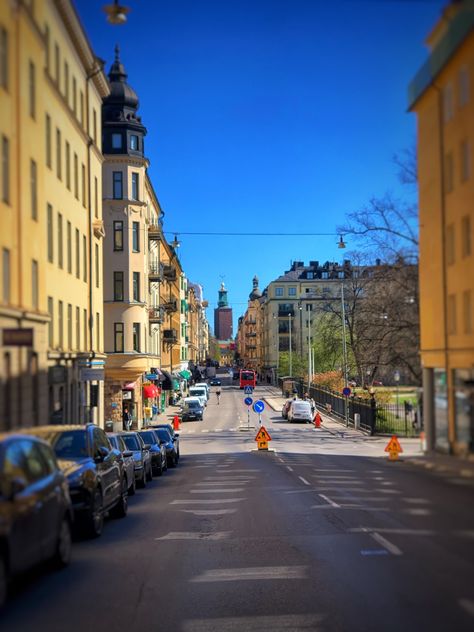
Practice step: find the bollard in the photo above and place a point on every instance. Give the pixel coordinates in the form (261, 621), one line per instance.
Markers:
(422, 442)
(357, 421)
(317, 420)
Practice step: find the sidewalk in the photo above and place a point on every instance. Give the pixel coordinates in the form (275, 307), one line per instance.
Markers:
(446, 464)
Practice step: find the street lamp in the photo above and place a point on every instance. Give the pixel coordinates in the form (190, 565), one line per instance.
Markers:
(310, 364)
(291, 353)
(396, 377)
(344, 352)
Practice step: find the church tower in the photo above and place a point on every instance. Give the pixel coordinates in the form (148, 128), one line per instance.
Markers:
(223, 316)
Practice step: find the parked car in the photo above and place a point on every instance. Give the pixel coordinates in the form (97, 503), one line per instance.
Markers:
(141, 457)
(204, 385)
(215, 381)
(35, 507)
(173, 433)
(285, 409)
(94, 472)
(128, 462)
(300, 410)
(159, 463)
(192, 409)
(170, 446)
(200, 392)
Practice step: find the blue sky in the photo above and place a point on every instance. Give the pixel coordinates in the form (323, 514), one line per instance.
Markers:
(267, 116)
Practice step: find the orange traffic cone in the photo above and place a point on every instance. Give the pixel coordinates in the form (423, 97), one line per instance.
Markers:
(176, 422)
(317, 420)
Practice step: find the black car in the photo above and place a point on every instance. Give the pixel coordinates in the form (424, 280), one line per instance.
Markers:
(35, 507)
(170, 445)
(173, 433)
(93, 470)
(159, 462)
(141, 456)
(215, 381)
(128, 461)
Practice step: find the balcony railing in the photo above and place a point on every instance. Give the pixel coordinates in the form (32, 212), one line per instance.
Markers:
(155, 271)
(284, 313)
(154, 231)
(170, 336)
(170, 307)
(169, 273)
(155, 315)
(251, 334)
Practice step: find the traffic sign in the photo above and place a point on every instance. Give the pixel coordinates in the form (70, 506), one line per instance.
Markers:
(346, 391)
(248, 401)
(262, 435)
(248, 390)
(393, 448)
(258, 406)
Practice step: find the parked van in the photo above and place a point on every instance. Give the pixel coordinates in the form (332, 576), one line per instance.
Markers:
(200, 392)
(300, 410)
(206, 386)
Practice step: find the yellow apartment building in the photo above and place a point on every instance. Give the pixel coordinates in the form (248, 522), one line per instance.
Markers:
(442, 95)
(250, 331)
(51, 314)
(170, 297)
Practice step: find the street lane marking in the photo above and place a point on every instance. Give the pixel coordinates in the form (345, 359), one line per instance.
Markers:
(392, 548)
(330, 470)
(213, 501)
(290, 469)
(217, 491)
(418, 511)
(468, 533)
(191, 535)
(392, 531)
(261, 623)
(328, 500)
(238, 477)
(304, 480)
(233, 471)
(467, 605)
(209, 512)
(417, 501)
(374, 552)
(388, 491)
(228, 481)
(259, 573)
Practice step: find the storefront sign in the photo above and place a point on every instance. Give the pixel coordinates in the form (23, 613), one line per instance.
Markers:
(127, 394)
(18, 337)
(92, 375)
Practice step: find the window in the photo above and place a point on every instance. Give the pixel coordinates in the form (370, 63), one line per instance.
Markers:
(136, 337)
(96, 197)
(118, 286)
(278, 291)
(467, 311)
(83, 183)
(452, 314)
(463, 86)
(116, 141)
(448, 102)
(85, 328)
(74, 96)
(97, 268)
(69, 326)
(76, 176)
(465, 161)
(310, 275)
(134, 142)
(448, 172)
(81, 105)
(32, 89)
(136, 286)
(3, 58)
(58, 154)
(136, 236)
(94, 126)
(340, 275)
(78, 328)
(49, 158)
(84, 262)
(34, 190)
(5, 170)
(60, 240)
(118, 337)
(51, 322)
(56, 64)
(97, 329)
(66, 82)
(117, 185)
(6, 275)
(34, 284)
(68, 166)
(291, 291)
(78, 254)
(466, 235)
(61, 324)
(69, 247)
(450, 244)
(118, 235)
(49, 213)
(135, 186)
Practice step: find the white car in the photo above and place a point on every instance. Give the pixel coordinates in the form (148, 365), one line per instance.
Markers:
(300, 410)
(200, 392)
(204, 385)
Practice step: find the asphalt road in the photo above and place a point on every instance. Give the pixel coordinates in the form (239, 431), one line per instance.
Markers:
(305, 537)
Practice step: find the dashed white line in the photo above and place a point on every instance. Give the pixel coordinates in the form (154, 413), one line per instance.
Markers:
(290, 469)
(209, 512)
(216, 491)
(252, 574)
(392, 548)
(214, 501)
(191, 535)
(304, 480)
(329, 501)
(467, 605)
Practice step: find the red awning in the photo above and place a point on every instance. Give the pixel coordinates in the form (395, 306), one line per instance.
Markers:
(129, 387)
(150, 390)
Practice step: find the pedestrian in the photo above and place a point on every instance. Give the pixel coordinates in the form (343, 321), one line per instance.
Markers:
(218, 394)
(126, 419)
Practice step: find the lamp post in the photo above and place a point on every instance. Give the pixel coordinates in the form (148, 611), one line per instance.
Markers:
(291, 353)
(344, 353)
(396, 377)
(310, 365)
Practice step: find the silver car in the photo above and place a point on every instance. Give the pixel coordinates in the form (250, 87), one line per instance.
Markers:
(128, 460)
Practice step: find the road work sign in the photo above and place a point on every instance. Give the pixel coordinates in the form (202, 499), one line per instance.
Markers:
(262, 438)
(393, 448)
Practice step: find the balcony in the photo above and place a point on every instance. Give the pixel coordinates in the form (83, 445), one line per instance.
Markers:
(170, 336)
(154, 231)
(251, 346)
(169, 273)
(170, 307)
(155, 271)
(155, 315)
(251, 334)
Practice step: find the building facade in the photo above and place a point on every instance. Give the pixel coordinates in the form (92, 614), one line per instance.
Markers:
(441, 95)
(249, 339)
(51, 232)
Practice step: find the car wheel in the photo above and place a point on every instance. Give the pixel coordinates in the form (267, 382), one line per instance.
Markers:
(62, 556)
(165, 465)
(95, 519)
(149, 474)
(133, 487)
(142, 481)
(158, 471)
(121, 508)
(3, 580)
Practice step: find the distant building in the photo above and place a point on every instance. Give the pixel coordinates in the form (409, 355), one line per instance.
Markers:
(442, 95)
(223, 316)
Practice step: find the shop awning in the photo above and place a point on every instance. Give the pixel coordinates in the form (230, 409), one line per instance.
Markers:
(175, 384)
(185, 373)
(150, 390)
(167, 383)
(128, 387)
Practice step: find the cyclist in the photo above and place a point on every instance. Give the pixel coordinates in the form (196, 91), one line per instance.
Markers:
(218, 394)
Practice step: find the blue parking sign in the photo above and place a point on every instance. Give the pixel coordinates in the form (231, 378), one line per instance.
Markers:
(259, 406)
(248, 401)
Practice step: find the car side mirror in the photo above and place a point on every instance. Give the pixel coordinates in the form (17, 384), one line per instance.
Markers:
(147, 446)
(127, 453)
(162, 442)
(17, 485)
(102, 453)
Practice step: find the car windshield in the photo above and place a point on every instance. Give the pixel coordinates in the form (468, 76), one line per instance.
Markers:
(197, 391)
(193, 405)
(301, 406)
(113, 441)
(148, 437)
(131, 442)
(164, 435)
(70, 444)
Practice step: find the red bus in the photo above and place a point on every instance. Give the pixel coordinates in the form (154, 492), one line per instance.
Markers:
(248, 378)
